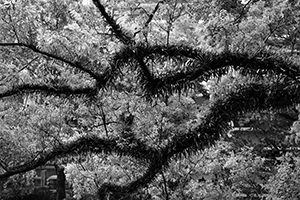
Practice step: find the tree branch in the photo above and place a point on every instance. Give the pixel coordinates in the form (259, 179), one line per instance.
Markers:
(93, 144)
(246, 98)
(150, 17)
(75, 64)
(124, 37)
(66, 90)
(202, 65)
(120, 191)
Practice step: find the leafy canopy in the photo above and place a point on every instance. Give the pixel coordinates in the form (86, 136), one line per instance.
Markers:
(66, 50)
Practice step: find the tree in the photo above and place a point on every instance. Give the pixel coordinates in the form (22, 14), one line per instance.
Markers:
(59, 51)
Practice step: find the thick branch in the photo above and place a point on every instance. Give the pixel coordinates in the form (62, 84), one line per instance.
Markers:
(117, 191)
(48, 89)
(246, 98)
(124, 37)
(205, 61)
(201, 65)
(93, 144)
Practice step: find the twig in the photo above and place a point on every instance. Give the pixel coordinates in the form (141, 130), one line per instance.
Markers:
(75, 64)
(165, 186)
(150, 17)
(3, 165)
(104, 120)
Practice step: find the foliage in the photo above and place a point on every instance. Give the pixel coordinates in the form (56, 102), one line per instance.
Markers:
(86, 176)
(285, 183)
(113, 80)
(220, 172)
(17, 186)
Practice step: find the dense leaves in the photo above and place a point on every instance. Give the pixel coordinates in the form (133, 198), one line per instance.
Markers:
(100, 87)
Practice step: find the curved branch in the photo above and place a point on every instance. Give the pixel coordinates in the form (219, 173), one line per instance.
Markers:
(201, 65)
(93, 144)
(118, 191)
(208, 61)
(116, 28)
(67, 90)
(215, 123)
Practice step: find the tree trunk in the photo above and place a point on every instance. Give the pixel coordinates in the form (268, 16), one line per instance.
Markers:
(61, 180)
